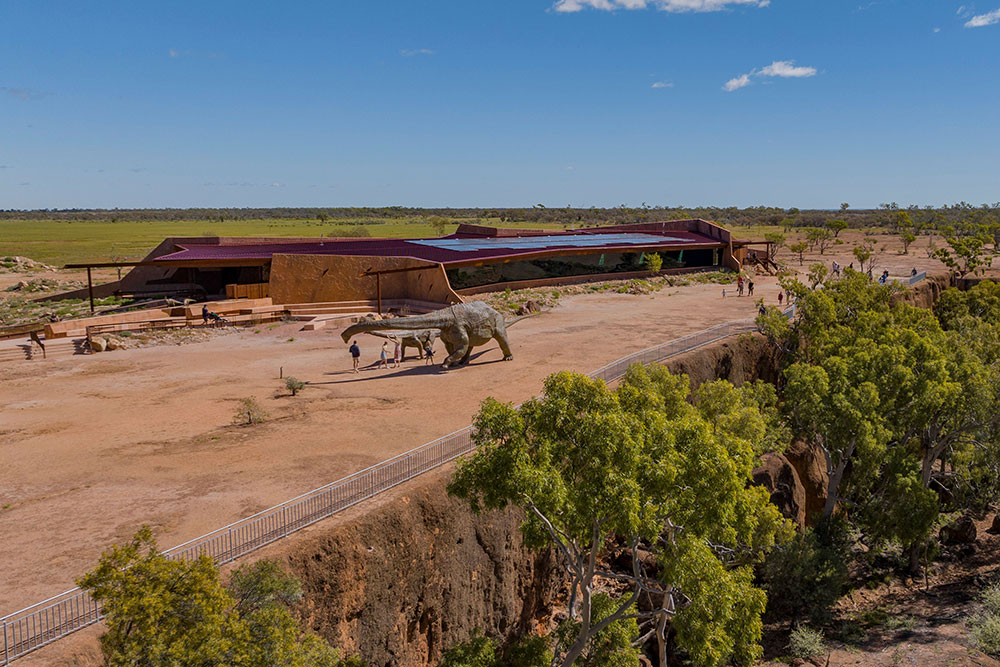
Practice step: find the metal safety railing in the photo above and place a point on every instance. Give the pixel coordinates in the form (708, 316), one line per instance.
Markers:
(916, 278)
(49, 620)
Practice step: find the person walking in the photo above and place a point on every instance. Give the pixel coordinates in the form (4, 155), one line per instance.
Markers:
(397, 353)
(749, 288)
(204, 314)
(723, 292)
(428, 353)
(383, 358)
(355, 354)
(781, 295)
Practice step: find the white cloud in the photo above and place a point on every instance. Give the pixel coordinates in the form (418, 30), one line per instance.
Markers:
(937, 29)
(737, 83)
(663, 84)
(409, 53)
(568, 6)
(174, 53)
(981, 20)
(785, 69)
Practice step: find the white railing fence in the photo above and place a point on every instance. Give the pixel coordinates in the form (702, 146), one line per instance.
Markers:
(49, 620)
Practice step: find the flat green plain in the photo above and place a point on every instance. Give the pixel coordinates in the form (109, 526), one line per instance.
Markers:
(59, 242)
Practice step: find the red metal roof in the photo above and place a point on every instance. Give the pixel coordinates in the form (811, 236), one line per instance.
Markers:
(449, 249)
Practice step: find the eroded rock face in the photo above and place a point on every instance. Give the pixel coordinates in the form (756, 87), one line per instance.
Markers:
(739, 360)
(781, 480)
(810, 465)
(419, 574)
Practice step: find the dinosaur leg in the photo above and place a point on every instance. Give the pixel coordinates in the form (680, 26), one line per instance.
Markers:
(501, 338)
(459, 351)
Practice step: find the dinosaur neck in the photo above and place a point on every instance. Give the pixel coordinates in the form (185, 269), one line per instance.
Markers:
(431, 320)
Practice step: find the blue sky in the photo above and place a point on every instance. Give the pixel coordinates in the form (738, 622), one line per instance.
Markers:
(805, 103)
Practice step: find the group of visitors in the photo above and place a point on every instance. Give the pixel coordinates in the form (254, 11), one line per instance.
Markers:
(397, 354)
(741, 287)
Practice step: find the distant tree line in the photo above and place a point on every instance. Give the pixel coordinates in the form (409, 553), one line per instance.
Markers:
(886, 215)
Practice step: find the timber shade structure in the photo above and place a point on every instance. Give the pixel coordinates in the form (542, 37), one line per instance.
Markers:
(305, 270)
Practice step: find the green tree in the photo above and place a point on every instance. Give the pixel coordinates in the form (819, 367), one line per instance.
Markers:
(586, 463)
(964, 254)
(817, 274)
(481, 651)
(800, 249)
(478, 651)
(611, 646)
(907, 237)
(836, 226)
(174, 612)
(883, 389)
(865, 253)
(820, 238)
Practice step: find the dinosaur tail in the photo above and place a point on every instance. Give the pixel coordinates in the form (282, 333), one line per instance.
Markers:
(508, 323)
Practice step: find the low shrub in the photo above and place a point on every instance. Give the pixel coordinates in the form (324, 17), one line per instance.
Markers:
(805, 643)
(984, 626)
(808, 574)
(249, 412)
(294, 385)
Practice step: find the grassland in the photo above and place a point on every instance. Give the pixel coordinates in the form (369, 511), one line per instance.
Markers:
(59, 242)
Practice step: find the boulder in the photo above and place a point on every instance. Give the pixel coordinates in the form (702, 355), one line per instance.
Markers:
(961, 531)
(781, 480)
(115, 344)
(810, 464)
(995, 528)
(98, 345)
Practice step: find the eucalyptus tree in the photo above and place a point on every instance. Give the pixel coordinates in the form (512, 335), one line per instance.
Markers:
(886, 393)
(643, 465)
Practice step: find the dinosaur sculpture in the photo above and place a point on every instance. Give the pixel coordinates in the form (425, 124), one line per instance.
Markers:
(418, 339)
(462, 326)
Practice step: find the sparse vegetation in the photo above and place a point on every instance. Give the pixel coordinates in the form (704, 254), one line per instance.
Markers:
(249, 412)
(294, 385)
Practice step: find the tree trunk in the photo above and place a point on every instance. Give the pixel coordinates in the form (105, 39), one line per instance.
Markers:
(661, 639)
(576, 650)
(834, 484)
(914, 556)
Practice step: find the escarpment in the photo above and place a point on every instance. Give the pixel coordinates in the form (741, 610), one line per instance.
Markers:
(420, 573)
